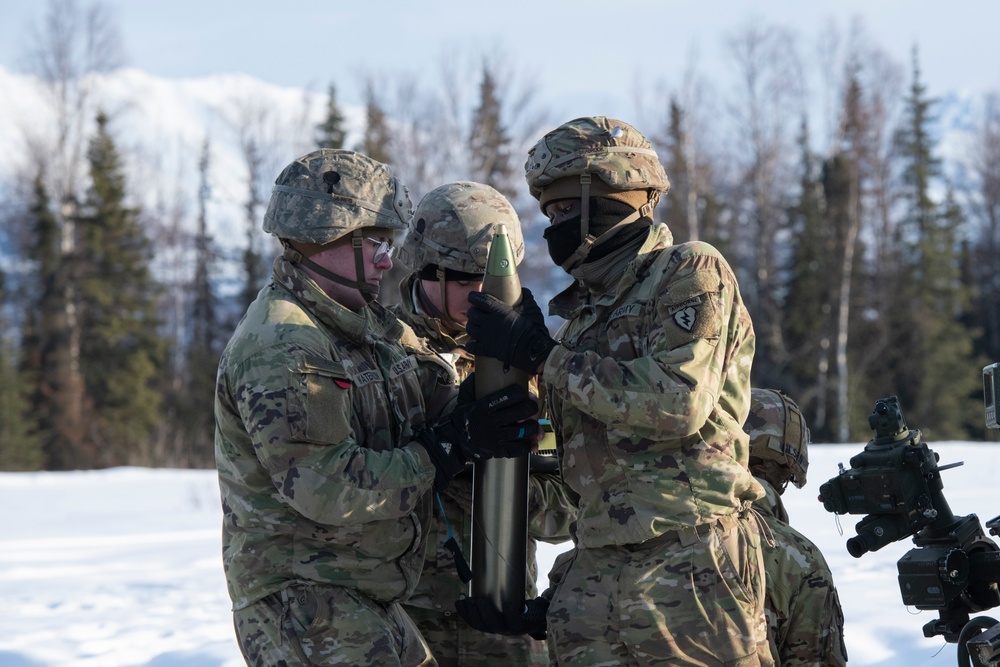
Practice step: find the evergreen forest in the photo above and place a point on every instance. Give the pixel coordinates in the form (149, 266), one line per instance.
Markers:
(869, 259)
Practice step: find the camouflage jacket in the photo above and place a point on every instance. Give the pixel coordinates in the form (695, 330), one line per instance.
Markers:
(648, 392)
(550, 510)
(805, 624)
(315, 407)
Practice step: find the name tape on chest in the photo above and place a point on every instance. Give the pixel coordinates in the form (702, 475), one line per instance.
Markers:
(362, 378)
(402, 366)
(628, 310)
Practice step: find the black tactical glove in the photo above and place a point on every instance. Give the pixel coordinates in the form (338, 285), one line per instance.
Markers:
(497, 425)
(515, 336)
(481, 614)
(528, 307)
(501, 424)
(446, 456)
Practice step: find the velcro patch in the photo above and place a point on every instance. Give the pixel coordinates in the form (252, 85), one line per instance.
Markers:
(693, 319)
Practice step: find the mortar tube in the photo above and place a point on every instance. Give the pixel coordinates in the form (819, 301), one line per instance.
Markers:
(500, 486)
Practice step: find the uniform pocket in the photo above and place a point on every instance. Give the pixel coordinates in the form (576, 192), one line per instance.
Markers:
(324, 393)
(737, 559)
(304, 610)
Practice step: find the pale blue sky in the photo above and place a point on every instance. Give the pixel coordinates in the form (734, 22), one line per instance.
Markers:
(585, 57)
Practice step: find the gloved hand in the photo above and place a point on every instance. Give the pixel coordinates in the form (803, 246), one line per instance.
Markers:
(445, 455)
(481, 614)
(515, 336)
(528, 308)
(500, 424)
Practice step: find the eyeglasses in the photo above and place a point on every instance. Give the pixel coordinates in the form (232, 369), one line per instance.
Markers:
(383, 249)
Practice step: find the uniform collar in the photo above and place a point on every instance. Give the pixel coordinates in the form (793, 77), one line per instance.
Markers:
(771, 501)
(568, 303)
(372, 323)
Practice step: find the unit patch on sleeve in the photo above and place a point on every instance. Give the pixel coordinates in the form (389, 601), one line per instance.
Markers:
(692, 319)
(686, 314)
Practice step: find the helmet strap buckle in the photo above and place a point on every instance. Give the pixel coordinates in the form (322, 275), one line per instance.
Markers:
(290, 253)
(443, 288)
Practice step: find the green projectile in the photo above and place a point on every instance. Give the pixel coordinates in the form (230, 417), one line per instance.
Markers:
(500, 487)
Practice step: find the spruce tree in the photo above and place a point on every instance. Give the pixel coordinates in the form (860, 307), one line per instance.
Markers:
(20, 444)
(122, 352)
(840, 192)
(330, 133)
(255, 269)
(982, 269)
(807, 309)
(204, 346)
(375, 143)
(937, 374)
(489, 142)
(845, 184)
(679, 213)
(49, 354)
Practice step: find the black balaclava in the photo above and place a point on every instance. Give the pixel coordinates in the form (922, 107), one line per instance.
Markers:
(563, 238)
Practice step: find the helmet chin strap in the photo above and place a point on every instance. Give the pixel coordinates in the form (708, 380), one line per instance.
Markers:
(442, 312)
(368, 291)
(589, 241)
(443, 290)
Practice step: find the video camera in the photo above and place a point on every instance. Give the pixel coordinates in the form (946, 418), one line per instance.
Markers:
(954, 569)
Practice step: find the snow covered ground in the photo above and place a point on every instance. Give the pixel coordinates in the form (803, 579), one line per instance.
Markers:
(122, 567)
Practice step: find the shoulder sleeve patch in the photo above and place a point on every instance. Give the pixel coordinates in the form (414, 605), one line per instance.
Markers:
(692, 309)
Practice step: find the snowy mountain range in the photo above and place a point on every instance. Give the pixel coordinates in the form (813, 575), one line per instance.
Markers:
(160, 126)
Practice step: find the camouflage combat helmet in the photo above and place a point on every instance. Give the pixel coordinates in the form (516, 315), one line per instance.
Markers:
(779, 439)
(329, 193)
(595, 157)
(453, 226)
(612, 150)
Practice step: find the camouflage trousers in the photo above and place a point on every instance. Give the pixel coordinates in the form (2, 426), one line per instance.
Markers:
(689, 597)
(306, 625)
(455, 644)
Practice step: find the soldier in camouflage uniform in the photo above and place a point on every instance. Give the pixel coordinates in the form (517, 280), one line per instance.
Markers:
(648, 387)
(325, 447)
(805, 623)
(446, 250)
